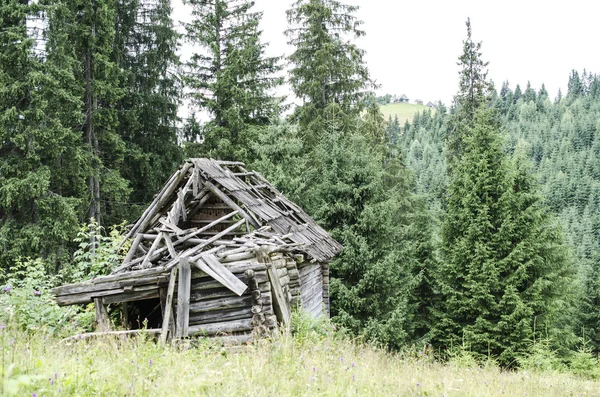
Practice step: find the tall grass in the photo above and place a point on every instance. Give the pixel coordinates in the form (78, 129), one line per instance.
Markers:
(316, 361)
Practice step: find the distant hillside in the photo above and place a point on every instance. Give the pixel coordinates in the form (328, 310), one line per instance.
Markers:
(404, 111)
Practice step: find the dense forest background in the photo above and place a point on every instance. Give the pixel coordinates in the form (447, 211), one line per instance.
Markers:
(473, 227)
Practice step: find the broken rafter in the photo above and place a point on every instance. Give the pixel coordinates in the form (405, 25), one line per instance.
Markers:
(159, 201)
(227, 200)
(158, 253)
(199, 247)
(146, 261)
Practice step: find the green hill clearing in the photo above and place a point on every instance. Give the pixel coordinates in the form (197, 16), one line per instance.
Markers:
(404, 111)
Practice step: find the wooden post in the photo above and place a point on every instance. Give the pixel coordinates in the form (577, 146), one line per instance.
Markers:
(102, 321)
(125, 315)
(168, 307)
(183, 298)
(281, 304)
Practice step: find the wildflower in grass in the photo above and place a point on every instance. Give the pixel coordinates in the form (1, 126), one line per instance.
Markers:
(37, 293)
(7, 288)
(2, 326)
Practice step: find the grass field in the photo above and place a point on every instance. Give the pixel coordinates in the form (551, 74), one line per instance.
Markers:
(315, 364)
(404, 111)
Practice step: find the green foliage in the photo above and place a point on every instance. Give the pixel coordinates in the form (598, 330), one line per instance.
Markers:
(504, 262)
(145, 49)
(473, 93)
(326, 67)
(231, 78)
(40, 156)
(358, 189)
(27, 303)
(98, 253)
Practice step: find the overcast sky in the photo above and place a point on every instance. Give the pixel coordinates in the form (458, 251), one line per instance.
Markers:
(412, 46)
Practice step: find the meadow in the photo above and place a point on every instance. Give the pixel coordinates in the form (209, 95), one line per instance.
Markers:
(404, 111)
(310, 363)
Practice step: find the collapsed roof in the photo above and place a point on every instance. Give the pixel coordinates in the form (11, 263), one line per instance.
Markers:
(245, 207)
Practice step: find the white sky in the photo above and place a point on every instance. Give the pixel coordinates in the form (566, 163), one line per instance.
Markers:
(412, 46)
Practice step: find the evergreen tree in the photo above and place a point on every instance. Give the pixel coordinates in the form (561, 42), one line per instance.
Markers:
(40, 153)
(145, 46)
(232, 79)
(473, 93)
(92, 34)
(326, 66)
(529, 94)
(504, 264)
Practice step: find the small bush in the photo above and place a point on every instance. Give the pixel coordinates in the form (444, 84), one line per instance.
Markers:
(28, 304)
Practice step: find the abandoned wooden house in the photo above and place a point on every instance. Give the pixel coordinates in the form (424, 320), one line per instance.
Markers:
(219, 252)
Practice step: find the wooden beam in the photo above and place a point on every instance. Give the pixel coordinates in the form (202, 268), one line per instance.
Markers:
(168, 307)
(146, 261)
(173, 262)
(199, 247)
(113, 333)
(211, 266)
(133, 248)
(183, 298)
(230, 281)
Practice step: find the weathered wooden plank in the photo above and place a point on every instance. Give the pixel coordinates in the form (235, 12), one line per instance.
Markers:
(199, 247)
(225, 327)
(73, 289)
(146, 261)
(163, 304)
(129, 275)
(220, 316)
(229, 280)
(221, 304)
(102, 321)
(307, 270)
(131, 296)
(159, 201)
(170, 246)
(169, 225)
(87, 297)
(281, 305)
(240, 267)
(182, 240)
(88, 335)
(168, 306)
(238, 257)
(183, 298)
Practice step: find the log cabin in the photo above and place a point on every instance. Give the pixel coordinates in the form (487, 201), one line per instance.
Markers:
(219, 252)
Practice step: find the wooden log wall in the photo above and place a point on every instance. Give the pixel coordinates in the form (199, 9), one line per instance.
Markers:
(215, 310)
(325, 272)
(311, 288)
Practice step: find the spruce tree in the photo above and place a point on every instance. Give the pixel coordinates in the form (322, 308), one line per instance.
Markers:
(473, 92)
(504, 262)
(41, 159)
(145, 49)
(92, 34)
(326, 66)
(232, 78)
